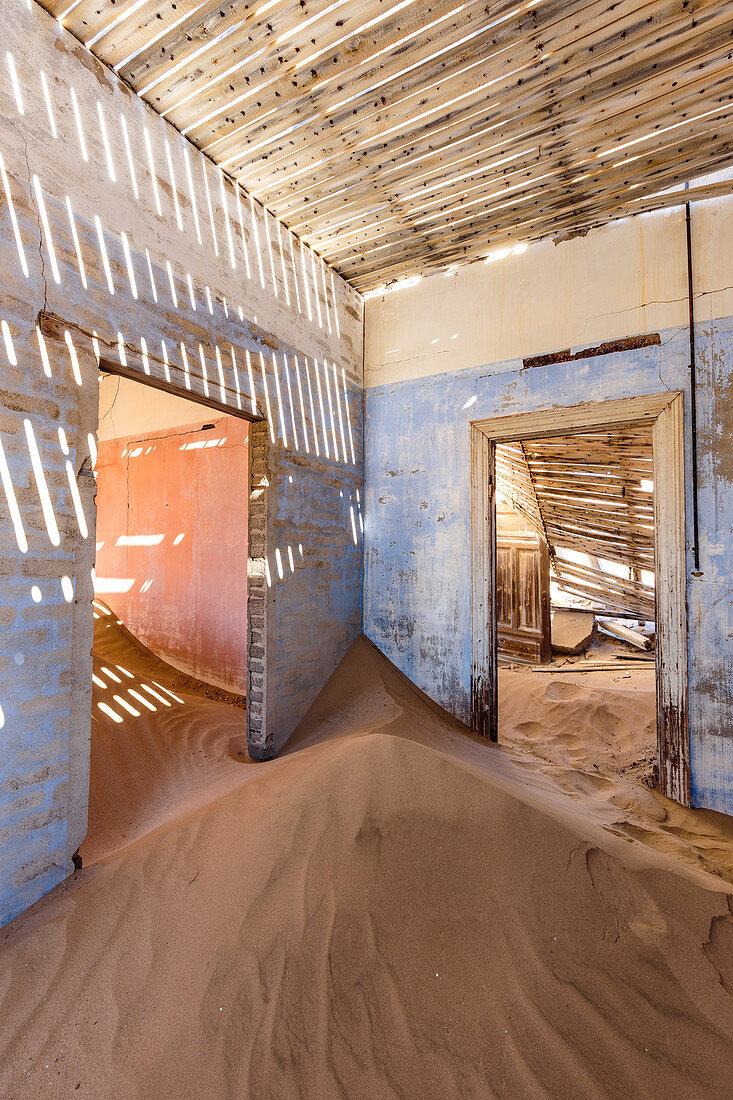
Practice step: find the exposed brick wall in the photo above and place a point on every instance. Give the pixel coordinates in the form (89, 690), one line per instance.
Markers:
(166, 274)
(259, 594)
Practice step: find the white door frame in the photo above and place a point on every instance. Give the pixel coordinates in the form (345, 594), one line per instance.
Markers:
(665, 413)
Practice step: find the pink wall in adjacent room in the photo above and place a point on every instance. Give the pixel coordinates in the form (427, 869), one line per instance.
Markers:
(172, 544)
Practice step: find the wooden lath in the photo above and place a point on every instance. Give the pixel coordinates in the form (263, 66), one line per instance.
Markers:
(514, 484)
(590, 493)
(397, 137)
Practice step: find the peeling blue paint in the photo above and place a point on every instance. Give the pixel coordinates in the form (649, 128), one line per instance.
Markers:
(417, 553)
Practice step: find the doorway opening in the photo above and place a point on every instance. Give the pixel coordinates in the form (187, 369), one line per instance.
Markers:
(578, 571)
(172, 514)
(169, 684)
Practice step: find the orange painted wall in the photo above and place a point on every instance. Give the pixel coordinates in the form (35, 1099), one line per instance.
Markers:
(172, 544)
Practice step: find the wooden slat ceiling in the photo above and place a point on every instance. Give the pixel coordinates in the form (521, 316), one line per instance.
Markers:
(401, 136)
(592, 494)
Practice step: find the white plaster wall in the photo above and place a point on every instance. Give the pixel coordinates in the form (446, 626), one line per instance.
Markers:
(628, 277)
(246, 262)
(129, 408)
(712, 258)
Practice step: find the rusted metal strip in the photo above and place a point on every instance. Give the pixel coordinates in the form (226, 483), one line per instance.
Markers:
(610, 347)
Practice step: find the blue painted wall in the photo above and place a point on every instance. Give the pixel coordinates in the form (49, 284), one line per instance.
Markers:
(417, 565)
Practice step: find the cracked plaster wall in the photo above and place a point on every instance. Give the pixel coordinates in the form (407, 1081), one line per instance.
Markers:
(450, 351)
(160, 263)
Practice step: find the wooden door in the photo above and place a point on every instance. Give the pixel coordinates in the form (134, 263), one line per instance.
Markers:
(522, 594)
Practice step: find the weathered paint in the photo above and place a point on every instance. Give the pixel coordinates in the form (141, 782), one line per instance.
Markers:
(213, 282)
(622, 280)
(417, 546)
(172, 544)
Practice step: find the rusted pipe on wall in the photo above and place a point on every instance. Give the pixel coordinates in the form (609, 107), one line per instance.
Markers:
(693, 389)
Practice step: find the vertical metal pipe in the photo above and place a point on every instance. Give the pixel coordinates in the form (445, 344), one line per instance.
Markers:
(693, 389)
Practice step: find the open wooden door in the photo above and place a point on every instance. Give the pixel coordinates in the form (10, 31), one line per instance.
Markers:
(522, 591)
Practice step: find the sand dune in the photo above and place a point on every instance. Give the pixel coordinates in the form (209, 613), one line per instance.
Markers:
(595, 734)
(184, 741)
(575, 717)
(391, 909)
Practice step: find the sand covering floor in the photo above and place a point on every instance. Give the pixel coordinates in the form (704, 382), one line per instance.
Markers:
(390, 909)
(177, 751)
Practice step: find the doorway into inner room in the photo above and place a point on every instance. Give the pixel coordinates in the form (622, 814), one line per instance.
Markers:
(575, 599)
(169, 662)
(578, 563)
(172, 517)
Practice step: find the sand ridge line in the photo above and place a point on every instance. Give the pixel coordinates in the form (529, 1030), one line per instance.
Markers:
(401, 911)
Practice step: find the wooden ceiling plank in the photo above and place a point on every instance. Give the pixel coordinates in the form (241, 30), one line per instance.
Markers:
(602, 74)
(204, 28)
(685, 168)
(379, 80)
(617, 585)
(144, 34)
(84, 18)
(371, 278)
(286, 88)
(572, 213)
(602, 546)
(273, 81)
(588, 457)
(636, 605)
(605, 581)
(540, 168)
(614, 493)
(612, 523)
(526, 189)
(614, 520)
(522, 92)
(370, 126)
(335, 111)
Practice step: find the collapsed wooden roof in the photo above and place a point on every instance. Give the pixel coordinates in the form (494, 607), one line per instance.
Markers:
(590, 498)
(398, 136)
